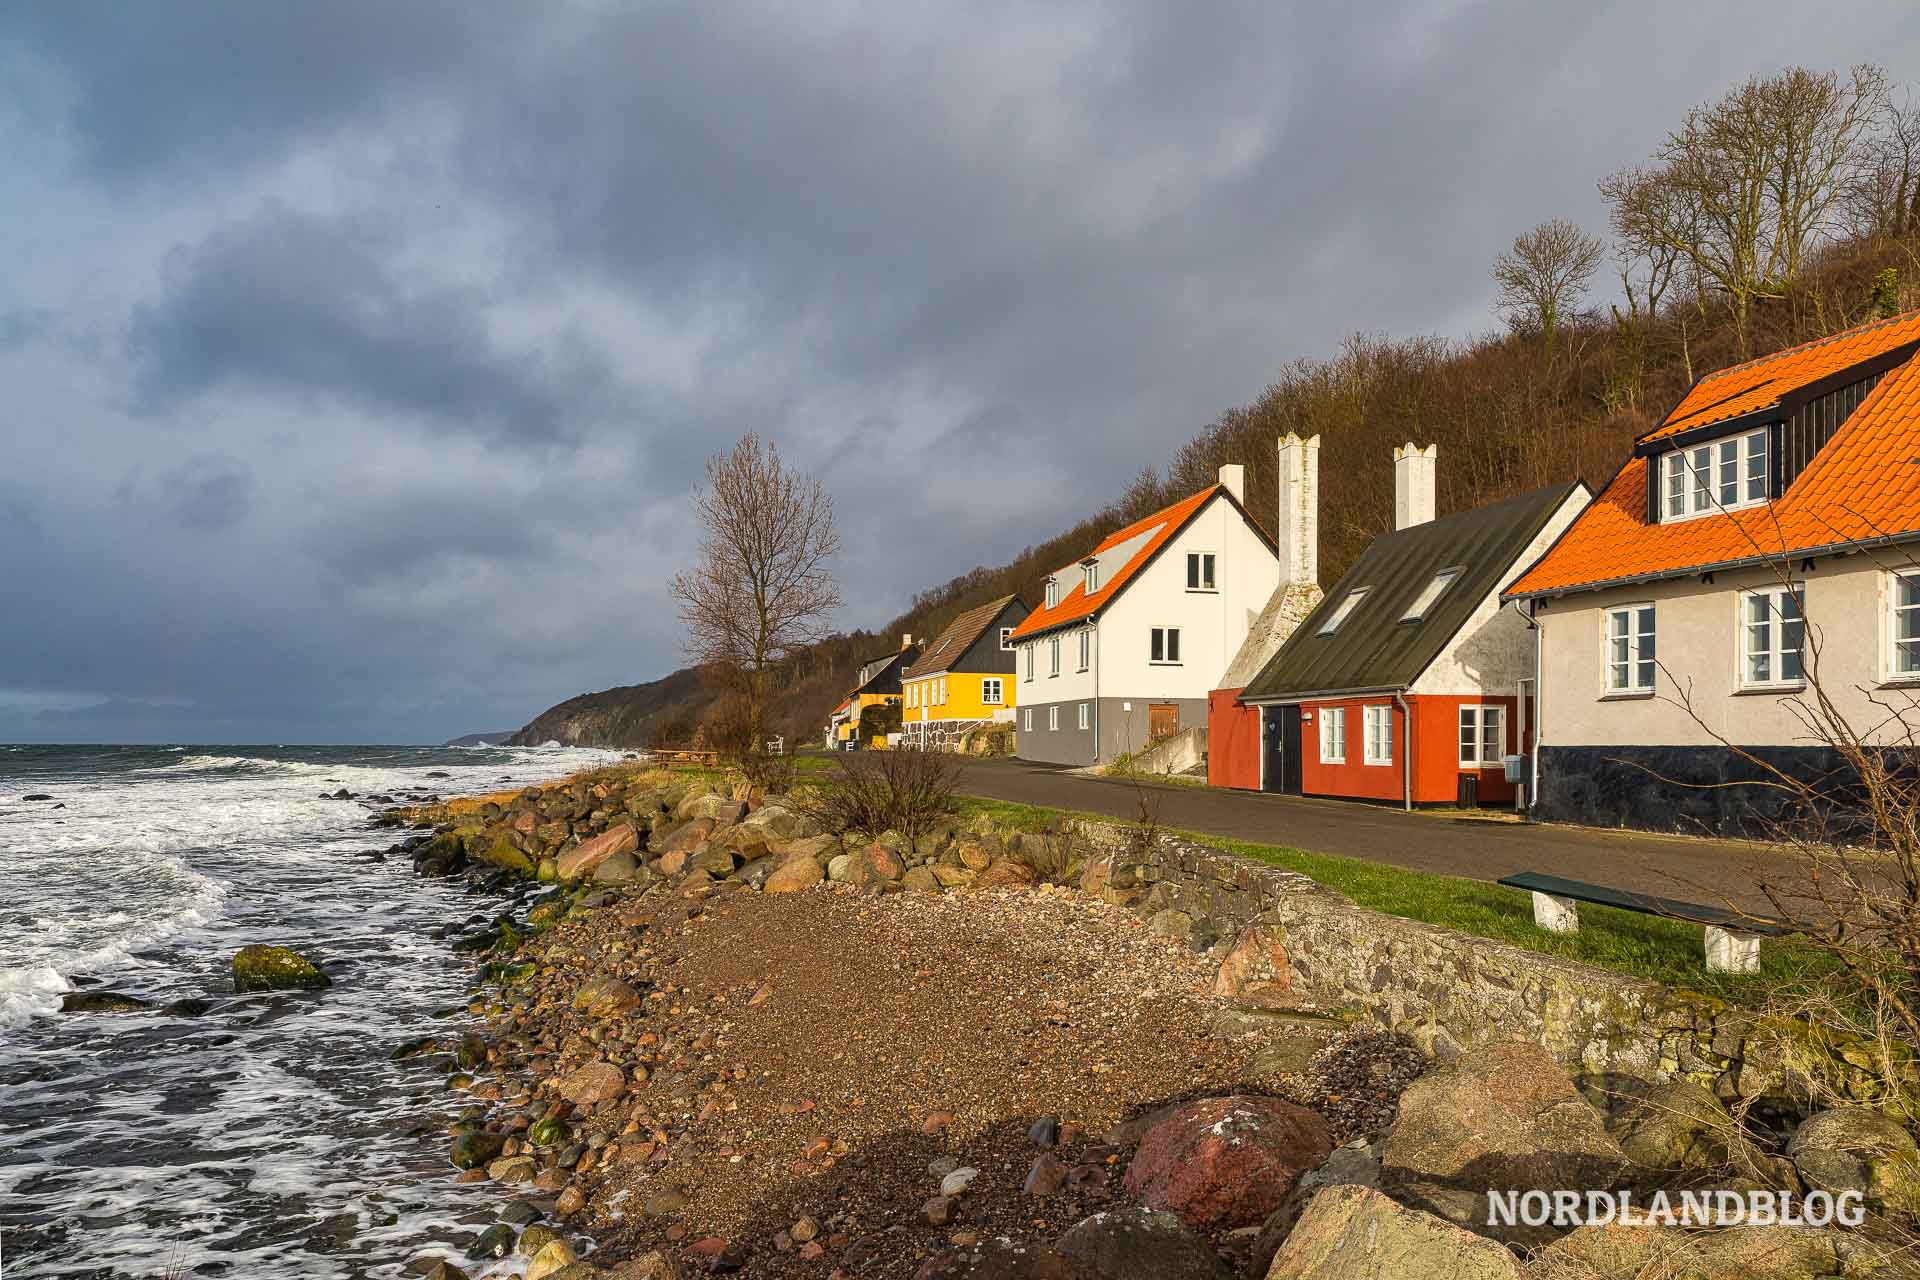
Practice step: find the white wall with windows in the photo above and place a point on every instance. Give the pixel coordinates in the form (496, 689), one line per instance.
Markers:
(1616, 665)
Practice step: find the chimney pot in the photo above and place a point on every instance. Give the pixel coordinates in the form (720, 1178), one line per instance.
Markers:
(1233, 478)
(1413, 484)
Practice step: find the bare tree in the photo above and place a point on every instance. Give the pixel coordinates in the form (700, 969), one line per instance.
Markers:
(1748, 185)
(1544, 276)
(762, 589)
(1883, 199)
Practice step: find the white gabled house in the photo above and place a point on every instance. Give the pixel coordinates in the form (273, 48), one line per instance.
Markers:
(1129, 640)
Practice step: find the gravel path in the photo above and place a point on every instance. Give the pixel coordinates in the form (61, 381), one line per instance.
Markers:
(812, 1055)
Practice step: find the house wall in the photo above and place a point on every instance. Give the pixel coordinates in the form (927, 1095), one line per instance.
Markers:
(964, 698)
(1436, 751)
(1121, 676)
(1600, 752)
(1233, 742)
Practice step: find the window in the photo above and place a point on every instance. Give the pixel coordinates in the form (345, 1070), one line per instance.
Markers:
(1092, 571)
(1086, 647)
(1345, 607)
(913, 695)
(1483, 737)
(1026, 720)
(1200, 571)
(990, 692)
(1166, 645)
(1086, 715)
(1333, 735)
(1053, 718)
(941, 696)
(1905, 659)
(1630, 649)
(1774, 633)
(1053, 655)
(1721, 475)
(1006, 638)
(1028, 649)
(1435, 588)
(1379, 743)
(1053, 593)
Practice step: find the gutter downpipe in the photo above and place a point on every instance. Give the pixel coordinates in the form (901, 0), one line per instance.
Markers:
(1406, 756)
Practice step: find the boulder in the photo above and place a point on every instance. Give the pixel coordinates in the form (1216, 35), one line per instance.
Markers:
(837, 866)
(1502, 1117)
(794, 875)
(584, 859)
(554, 1257)
(1357, 1233)
(1676, 1125)
(652, 1265)
(1256, 971)
(1355, 1165)
(1604, 1250)
(594, 1083)
(264, 968)
(103, 1002)
(504, 855)
(1005, 874)
(1002, 1259)
(874, 864)
(688, 837)
(476, 1150)
(920, 880)
(1858, 1149)
(820, 847)
(602, 997)
(1223, 1163)
(619, 869)
(1140, 1244)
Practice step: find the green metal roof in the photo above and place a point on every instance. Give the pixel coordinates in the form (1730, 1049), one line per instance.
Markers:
(1373, 647)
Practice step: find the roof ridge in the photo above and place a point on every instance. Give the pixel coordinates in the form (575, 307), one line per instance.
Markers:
(1809, 345)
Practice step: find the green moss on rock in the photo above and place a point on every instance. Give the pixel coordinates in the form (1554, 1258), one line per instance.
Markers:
(264, 968)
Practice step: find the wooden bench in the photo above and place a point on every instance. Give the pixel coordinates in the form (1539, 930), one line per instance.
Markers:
(706, 758)
(1732, 940)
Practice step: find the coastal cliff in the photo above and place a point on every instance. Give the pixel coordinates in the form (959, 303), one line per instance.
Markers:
(628, 716)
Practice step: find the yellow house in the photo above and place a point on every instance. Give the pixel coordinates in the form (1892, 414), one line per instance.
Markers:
(878, 686)
(965, 677)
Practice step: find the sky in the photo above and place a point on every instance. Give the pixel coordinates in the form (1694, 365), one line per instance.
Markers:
(358, 361)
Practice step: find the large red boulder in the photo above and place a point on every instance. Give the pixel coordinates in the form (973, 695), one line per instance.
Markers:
(1222, 1163)
(585, 858)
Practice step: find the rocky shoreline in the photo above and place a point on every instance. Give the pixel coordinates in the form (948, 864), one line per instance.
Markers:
(710, 1036)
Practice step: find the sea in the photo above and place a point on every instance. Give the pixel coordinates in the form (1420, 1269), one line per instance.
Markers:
(272, 1135)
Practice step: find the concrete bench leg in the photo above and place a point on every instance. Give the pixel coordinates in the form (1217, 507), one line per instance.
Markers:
(1729, 952)
(1556, 915)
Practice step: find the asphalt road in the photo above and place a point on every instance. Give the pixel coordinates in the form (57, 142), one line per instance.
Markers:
(1684, 867)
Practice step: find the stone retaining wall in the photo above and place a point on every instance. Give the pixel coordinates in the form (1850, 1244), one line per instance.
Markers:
(1294, 946)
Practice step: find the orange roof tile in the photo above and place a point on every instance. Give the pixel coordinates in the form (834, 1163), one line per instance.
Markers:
(1077, 604)
(1759, 384)
(1864, 486)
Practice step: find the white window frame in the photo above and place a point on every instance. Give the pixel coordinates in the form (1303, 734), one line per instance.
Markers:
(1086, 647)
(1027, 650)
(1006, 639)
(1026, 720)
(1053, 718)
(1348, 603)
(1775, 625)
(1052, 593)
(1378, 722)
(940, 699)
(1727, 474)
(1053, 655)
(1430, 594)
(1489, 722)
(1897, 579)
(1202, 571)
(1629, 672)
(1333, 735)
(1090, 579)
(992, 691)
(1086, 717)
(1164, 641)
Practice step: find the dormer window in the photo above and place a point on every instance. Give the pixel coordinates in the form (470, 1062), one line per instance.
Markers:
(1435, 588)
(1053, 593)
(1092, 570)
(1345, 607)
(1720, 475)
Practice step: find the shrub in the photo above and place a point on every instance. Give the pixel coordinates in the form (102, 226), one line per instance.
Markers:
(907, 789)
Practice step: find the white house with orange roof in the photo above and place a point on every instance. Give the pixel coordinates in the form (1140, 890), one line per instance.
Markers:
(1129, 639)
(1766, 533)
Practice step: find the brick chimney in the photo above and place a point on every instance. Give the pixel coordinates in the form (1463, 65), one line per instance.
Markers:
(1233, 478)
(1413, 484)
(1298, 531)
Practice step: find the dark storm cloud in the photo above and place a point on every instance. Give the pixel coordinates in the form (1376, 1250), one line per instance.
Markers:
(362, 356)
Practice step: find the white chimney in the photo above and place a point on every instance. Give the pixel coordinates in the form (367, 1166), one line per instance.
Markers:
(1233, 478)
(1413, 484)
(1298, 529)
(906, 641)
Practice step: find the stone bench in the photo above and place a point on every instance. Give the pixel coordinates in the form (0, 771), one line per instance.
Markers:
(1732, 940)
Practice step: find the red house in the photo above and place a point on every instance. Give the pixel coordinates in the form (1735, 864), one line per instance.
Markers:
(1409, 683)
